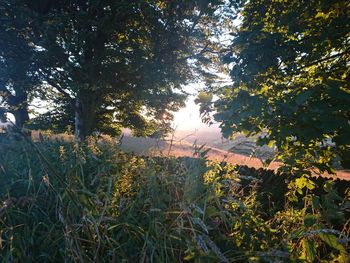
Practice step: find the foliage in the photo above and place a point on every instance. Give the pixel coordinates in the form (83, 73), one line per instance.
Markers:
(290, 76)
(113, 64)
(94, 203)
(17, 73)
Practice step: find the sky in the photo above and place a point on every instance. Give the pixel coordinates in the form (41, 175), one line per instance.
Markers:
(188, 118)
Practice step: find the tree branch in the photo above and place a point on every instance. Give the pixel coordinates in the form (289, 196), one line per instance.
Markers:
(204, 49)
(324, 59)
(59, 88)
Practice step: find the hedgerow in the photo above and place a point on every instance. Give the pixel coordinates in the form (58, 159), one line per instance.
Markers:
(68, 202)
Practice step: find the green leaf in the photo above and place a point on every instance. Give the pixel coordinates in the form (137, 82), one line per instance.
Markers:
(332, 241)
(303, 97)
(310, 250)
(271, 143)
(189, 255)
(316, 202)
(298, 233)
(310, 220)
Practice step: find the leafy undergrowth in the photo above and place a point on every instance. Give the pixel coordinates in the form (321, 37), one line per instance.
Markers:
(63, 202)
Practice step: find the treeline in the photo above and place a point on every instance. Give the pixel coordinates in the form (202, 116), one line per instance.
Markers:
(102, 65)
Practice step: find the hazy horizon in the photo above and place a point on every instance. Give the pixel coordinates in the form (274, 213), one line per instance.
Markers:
(188, 119)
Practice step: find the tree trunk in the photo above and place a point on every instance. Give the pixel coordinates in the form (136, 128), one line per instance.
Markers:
(21, 116)
(85, 115)
(3, 115)
(19, 106)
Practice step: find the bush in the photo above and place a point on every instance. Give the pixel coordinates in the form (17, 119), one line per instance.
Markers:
(93, 203)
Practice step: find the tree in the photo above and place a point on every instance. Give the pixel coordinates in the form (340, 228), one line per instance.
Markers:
(290, 72)
(17, 75)
(122, 62)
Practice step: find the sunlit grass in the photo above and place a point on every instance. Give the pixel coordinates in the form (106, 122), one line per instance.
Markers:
(62, 201)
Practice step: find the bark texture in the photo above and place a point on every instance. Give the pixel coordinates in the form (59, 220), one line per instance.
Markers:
(85, 115)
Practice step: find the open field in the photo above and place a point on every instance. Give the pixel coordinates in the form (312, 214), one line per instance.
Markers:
(240, 151)
(182, 146)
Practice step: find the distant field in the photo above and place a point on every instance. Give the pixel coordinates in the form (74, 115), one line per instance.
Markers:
(149, 146)
(240, 151)
(183, 139)
(186, 146)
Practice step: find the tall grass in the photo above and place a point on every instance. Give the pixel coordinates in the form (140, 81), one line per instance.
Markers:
(65, 202)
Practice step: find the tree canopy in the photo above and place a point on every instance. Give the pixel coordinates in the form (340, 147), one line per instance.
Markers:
(17, 71)
(115, 64)
(104, 65)
(290, 73)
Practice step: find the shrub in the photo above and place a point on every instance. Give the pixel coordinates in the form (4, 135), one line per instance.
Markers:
(62, 201)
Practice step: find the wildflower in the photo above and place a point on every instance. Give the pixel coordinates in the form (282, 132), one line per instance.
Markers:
(61, 151)
(46, 180)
